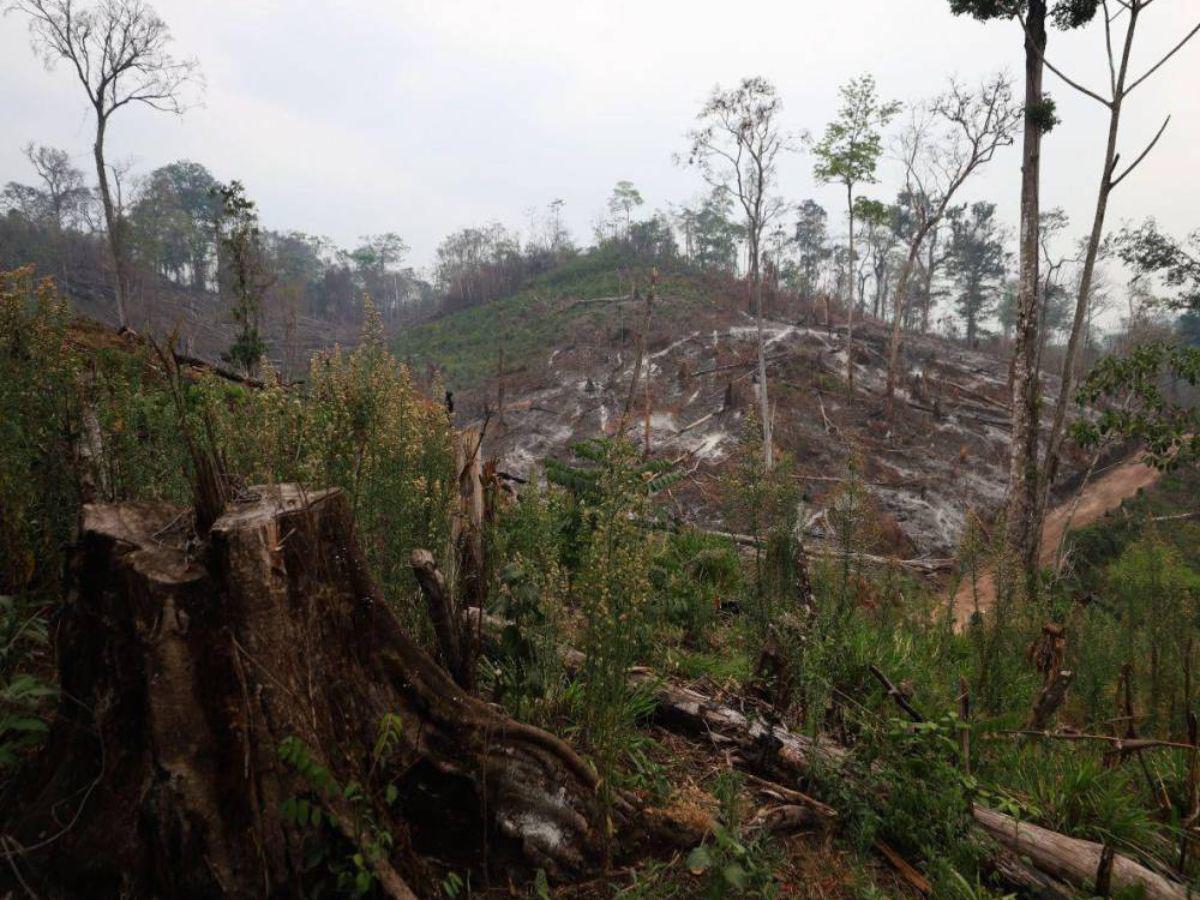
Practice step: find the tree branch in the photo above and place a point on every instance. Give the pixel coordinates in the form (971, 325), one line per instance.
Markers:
(1158, 65)
(1133, 165)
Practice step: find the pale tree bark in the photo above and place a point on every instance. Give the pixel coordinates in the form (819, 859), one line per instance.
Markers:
(850, 294)
(931, 263)
(112, 222)
(901, 310)
(764, 403)
(1109, 179)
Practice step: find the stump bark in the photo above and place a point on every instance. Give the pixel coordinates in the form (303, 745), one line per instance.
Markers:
(185, 665)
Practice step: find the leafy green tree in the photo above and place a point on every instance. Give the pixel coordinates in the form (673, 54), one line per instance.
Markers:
(377, 262)
(811, 240)
(174, 222)
(848, 154)
(245, 277)
(1134, 406)
(713, 233)
(1152, 253)
(978, 263)
(623, 200)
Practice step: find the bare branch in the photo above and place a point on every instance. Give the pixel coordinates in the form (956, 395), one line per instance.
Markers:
(1087, 92)
(1158, 65)
(1133, 165)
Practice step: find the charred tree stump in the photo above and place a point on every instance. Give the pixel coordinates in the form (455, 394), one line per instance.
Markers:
(184, 667)
(1050, 699)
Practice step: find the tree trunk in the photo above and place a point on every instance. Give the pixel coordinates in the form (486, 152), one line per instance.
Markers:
(185, 668)
(112, 223)
(1020, 535)
(850, 290)
(764, 404)
(898, 320)
(1083, 298)
(927, 300)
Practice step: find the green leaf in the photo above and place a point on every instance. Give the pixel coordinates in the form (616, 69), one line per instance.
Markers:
(734, 876)
(699, 860)
(23, 723)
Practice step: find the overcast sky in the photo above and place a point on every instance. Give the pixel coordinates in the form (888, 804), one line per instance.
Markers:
(347, 118)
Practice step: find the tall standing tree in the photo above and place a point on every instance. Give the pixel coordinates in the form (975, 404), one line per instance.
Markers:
(736, 148)
(977, 263)
(245, 276)
(848, 154)
(66, 193)
(623, 200)
(875, 220)
(943, 145)
(173, 222)
(1023, 519)
(1122, 82)
(811, 240)
(118, 49)
(715, 236)
(1020, 537)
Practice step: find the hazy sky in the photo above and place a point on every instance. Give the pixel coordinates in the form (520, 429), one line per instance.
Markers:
(421, 117)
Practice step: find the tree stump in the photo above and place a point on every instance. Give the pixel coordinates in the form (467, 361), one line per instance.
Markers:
(184, 666)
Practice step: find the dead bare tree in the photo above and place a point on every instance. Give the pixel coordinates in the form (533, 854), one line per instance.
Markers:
(736, 149)
(118, 49)
(943, 145)
(1121, 84)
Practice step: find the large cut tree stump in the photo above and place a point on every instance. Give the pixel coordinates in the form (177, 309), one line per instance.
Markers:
(185, 665)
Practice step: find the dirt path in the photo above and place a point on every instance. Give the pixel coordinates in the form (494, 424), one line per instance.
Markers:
(1100, 496)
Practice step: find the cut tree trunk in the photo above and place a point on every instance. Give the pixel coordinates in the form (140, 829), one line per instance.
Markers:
(184, 667)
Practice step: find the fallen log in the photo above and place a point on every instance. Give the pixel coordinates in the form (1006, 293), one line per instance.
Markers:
(1059, 863)
(927, 566)
(774, 749)
(186, 666)
(1072, 860)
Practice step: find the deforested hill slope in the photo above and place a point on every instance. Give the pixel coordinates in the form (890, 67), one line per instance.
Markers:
(567, 348)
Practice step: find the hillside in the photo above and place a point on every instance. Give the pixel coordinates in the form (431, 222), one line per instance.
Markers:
(570, 346)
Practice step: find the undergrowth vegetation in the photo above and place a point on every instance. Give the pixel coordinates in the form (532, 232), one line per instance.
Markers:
(587, 561)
